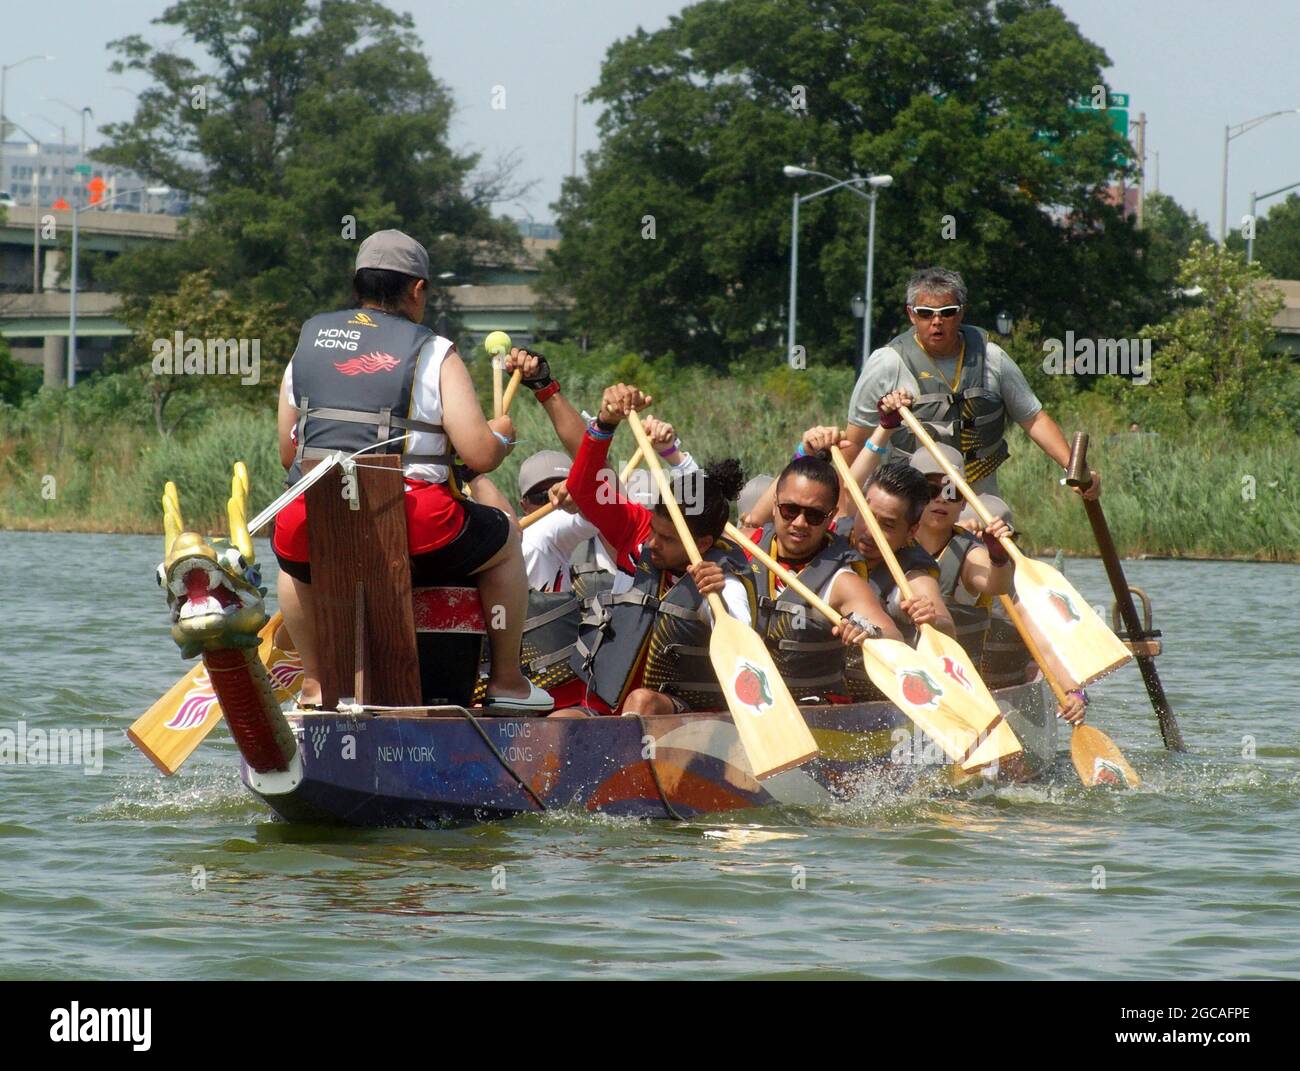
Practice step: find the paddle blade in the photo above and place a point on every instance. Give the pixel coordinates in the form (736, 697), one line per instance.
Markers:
(999, 738)
(771, 727)
(942, 706)
(170, 730)
(1098, 761)
(1076, 643)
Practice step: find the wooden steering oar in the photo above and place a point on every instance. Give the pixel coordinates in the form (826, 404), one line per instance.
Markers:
(549, 508)
(770, 725)
(1097, 758)
(971, 702)
(1074, 641)
(1079, 475)
(888, 663)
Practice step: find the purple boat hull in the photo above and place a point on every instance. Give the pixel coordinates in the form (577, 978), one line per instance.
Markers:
(448, 768)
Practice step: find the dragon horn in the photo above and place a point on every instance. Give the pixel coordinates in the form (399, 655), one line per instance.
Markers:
(237, 512)
(172, 523)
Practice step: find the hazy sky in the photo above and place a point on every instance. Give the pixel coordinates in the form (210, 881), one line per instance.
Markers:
(1191, 65)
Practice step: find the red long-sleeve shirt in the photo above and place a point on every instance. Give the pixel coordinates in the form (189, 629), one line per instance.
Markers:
(624, 524)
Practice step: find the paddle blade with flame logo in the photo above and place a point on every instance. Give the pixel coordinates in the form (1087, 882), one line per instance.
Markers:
(757, 696)
(1075, 642)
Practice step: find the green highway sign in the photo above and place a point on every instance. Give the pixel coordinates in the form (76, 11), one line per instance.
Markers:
(83, 169)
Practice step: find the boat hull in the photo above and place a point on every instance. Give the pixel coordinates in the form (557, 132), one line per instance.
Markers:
(440, 770)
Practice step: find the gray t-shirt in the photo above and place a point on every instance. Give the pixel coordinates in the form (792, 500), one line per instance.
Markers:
(885, 371)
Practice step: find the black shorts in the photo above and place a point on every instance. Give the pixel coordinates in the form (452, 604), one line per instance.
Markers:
(481, 537)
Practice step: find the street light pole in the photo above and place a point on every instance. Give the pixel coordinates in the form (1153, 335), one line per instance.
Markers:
(4, 78)
(794, 277)
(1230, 132)
(72, 302)
(851, 184)
(1250, 242)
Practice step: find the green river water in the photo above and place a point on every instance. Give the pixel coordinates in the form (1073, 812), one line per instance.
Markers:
(123, 874)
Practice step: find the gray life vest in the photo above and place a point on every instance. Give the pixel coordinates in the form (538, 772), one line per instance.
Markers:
(550, 634)
(353, 377)
(979, 436)
(669, 633)
(808, 656)
(970, 614)
(1005, 657)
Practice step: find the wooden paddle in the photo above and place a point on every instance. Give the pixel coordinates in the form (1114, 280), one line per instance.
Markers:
(170, 730)
(946, 657)
(1097, 758)
(1076, 643)
(511, 387)
(1079, 475)
(771, 728)
(549, 508)
(888, 664)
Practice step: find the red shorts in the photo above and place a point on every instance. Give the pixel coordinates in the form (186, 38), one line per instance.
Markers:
(434, 517)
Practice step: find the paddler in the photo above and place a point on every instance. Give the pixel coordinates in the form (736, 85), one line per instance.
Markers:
(973, 569)
(966, 387)
(809, 652)
(373, 376)
(644, 645)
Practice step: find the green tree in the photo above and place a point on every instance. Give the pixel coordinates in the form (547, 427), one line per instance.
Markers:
(18, 381)
(1277, 239)
(1213, 357)
(969, 105)
(181, 384)
(287, 120)
(1170, 230)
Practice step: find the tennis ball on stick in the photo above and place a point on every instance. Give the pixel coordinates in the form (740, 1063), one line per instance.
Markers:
(497, 343)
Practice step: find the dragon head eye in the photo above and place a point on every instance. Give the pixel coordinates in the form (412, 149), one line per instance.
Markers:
(160, 574)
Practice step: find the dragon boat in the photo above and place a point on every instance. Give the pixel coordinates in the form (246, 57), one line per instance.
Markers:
(399, 743)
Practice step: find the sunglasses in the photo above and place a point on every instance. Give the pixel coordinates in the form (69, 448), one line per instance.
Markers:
(816, 517)
(537, 498)
(925, 312)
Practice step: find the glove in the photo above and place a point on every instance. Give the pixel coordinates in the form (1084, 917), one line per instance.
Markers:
(892, 419)
(543, 377)
(997, 552)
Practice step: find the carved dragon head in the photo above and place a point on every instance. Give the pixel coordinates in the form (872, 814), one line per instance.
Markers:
(216, 597)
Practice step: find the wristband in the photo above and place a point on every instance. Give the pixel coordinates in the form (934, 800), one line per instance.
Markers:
(676, 445)
(882, 450)
(891, 420)
(997, 552)
(504, 441)
(799, 451)
(551, 388)
(594, 430)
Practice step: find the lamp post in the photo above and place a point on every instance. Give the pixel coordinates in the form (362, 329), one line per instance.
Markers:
(63, 142)
(159, 191)
(4, 77)
(1230, 132)
(876, 183)
(1250, 242)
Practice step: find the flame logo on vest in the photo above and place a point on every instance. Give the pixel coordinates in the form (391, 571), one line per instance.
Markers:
(367, 363)
(363, 320)
(954, 669)
(751, 687)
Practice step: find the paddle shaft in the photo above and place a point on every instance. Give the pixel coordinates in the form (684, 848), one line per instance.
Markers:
(1080, 476)
(869, 518)
(511, 388)
(791, 580)
(958, 481)
(716, 604)
(549, 508)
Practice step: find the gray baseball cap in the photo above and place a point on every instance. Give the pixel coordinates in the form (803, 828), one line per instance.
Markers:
(924, 461)
(752, 492)
(394, 251)
(996, 507)
(540, 467)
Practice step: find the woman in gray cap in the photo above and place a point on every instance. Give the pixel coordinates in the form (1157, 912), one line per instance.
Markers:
(374, 377)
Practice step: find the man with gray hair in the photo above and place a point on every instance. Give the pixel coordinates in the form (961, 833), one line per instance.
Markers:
(964, 387)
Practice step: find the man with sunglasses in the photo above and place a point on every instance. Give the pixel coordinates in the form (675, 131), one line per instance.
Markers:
(965, 387)
(809, 652)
